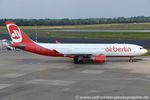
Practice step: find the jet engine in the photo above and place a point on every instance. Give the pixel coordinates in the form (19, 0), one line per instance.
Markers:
(99, 58)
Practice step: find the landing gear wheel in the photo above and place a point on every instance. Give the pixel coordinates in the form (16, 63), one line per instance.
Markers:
(76, 60)
(80, 61)
(131, 59)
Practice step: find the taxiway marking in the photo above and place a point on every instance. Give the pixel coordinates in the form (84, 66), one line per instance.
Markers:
(51, 82)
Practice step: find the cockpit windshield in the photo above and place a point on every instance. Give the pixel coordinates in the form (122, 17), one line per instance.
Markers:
(141, 48)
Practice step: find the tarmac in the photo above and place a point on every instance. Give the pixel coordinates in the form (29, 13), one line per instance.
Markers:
(26, 76)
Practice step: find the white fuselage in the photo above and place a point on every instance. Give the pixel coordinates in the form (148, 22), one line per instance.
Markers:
(96, 49)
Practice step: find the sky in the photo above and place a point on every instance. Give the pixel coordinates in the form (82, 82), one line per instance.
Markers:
(73, 8)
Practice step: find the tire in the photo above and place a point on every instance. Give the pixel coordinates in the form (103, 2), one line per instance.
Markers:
(76, 60)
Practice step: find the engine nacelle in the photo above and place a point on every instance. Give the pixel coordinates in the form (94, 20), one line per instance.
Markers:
(99, 58)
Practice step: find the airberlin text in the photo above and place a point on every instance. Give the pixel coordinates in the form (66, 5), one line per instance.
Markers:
(118, 49)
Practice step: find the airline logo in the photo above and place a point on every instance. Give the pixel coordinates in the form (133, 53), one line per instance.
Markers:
(15, 33)
(118, 49)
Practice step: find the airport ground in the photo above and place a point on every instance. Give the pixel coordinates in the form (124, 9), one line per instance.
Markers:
(26, 76)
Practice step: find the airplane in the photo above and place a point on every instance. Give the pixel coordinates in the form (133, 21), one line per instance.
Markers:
(78, 52)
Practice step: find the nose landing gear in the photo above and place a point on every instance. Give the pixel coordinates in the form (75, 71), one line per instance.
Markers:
(131, 59)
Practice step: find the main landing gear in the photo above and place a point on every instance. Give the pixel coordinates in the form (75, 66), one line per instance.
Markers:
(78, 60)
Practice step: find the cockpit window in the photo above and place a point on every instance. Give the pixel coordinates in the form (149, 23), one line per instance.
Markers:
(141, 48)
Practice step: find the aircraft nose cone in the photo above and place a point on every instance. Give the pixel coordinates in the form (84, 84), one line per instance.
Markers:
(145, 51)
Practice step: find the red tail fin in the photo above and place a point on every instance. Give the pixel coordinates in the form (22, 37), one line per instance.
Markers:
(16, 34)
(22, 41)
